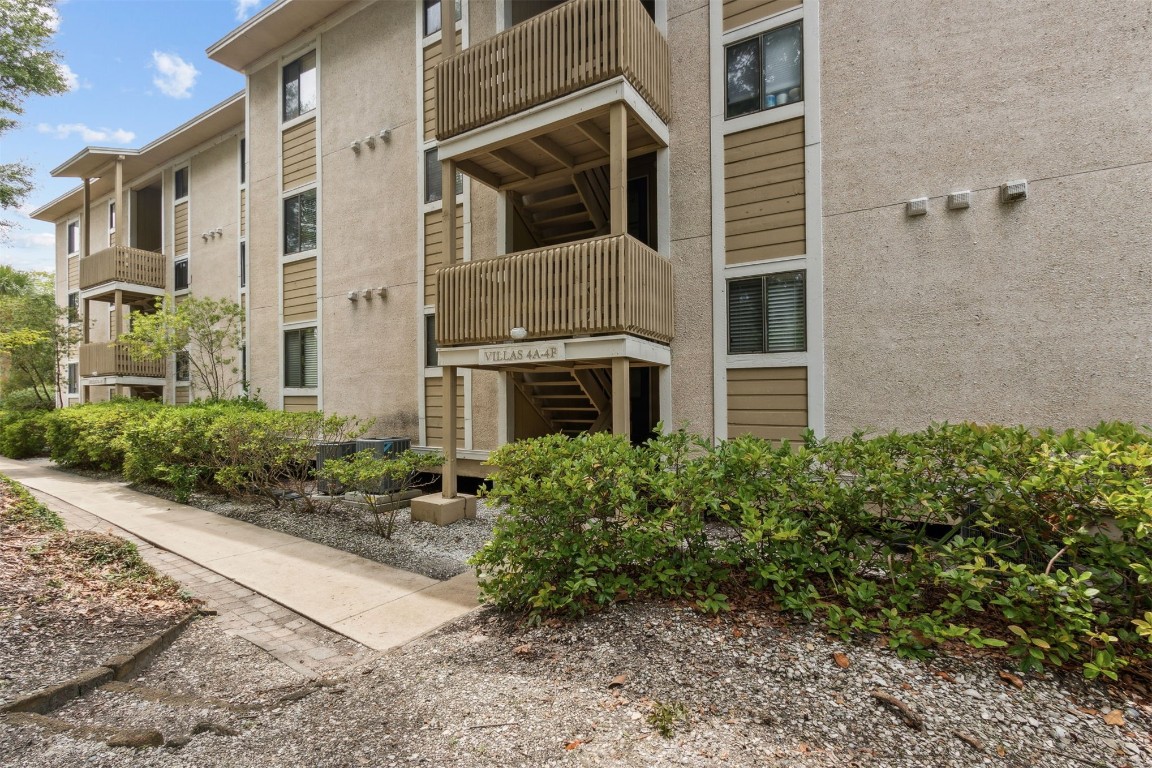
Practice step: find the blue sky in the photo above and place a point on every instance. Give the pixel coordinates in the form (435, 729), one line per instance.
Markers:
(138, 70)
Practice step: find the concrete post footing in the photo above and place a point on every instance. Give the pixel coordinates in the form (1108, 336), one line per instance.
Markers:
(436, 509)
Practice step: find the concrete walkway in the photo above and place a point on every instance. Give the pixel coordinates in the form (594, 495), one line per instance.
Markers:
(376, 605)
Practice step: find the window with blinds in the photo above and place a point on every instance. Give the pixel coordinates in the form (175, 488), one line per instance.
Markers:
(766, 314)
(300, 365)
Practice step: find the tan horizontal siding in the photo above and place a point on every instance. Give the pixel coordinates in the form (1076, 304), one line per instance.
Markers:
(764, 192)
(299, 154)
(183, 395)
(180, 227)
(434, 411)
(300, 291)
(770, 403)
(434, 248)
(740, 12)
(299, 403)
(431, 59)
(73, 273)
(243, 213)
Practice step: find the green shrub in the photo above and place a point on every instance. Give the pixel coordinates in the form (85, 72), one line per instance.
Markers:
(1035, 541)
(593, 520)
(22, 434)
(91, 436)
(30, 399)
(172, 445)
(270, 454)
(365, 472)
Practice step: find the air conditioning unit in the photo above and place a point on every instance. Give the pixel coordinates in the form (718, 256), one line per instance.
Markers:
(385, 447)
(328, 452)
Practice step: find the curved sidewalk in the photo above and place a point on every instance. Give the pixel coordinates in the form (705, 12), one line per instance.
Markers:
(374, 604)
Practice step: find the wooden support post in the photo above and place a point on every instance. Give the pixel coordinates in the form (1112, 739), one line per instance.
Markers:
(119, 237)
(447, 28)
(618, 169)
(448, 210)
(86, 221)
(117, 308)
(621, 394)
(450, 427)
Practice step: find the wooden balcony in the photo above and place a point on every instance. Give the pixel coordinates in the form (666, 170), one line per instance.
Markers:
(567, 49)
(121, 264)
(604, 285)
(107, 359)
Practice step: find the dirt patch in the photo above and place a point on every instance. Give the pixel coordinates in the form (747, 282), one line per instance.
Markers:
(70, 600)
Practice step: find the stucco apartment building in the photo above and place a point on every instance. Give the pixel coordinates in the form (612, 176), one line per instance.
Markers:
(743, 216)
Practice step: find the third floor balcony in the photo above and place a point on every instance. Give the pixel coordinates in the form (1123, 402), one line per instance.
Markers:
(124, 268)
(576, 45)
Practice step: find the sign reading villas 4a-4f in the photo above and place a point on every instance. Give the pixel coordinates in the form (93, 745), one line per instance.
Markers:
(522, 353)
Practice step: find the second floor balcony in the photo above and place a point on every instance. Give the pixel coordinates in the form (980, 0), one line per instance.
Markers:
(578, 44)
(599, 286)
(125, 265)
(108, 359)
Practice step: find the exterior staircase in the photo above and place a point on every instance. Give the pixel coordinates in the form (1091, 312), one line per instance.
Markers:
(574, 210)
(571, 401)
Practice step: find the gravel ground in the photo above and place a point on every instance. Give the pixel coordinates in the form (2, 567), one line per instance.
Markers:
(438, 553)
(746, 689)
(743, 690)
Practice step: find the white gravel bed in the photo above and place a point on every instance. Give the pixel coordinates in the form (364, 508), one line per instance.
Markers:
(483, 691)
(438, 552)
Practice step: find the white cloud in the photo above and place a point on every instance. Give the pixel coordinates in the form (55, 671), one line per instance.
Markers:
(244, 8)
(87, 135)
(33, 240)
(174, 76)
(70, 79)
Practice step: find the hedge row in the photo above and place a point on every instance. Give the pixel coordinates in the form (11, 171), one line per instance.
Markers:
(1038, 542)
(236, 446)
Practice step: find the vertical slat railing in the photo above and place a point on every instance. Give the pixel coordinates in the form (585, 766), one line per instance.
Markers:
(603, 285)
(561, 51)
(108, 359)
(122, 264)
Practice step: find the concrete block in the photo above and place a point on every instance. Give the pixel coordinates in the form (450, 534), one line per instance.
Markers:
(438, 510)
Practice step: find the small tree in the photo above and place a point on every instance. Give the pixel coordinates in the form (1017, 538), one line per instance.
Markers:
(207, 329)
(366, 472)
(35, 337)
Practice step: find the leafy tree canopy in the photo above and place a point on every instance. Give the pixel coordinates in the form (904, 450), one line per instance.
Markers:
(28, 66)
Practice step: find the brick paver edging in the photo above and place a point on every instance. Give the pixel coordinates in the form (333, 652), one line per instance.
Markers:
(118, 667)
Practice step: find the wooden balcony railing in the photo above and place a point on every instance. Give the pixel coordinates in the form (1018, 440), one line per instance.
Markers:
(561, 51)
(122, 264)
(107, 359)
(604, 285)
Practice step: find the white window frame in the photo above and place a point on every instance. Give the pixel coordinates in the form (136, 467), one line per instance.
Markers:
(285, 62)
(68, 236)
(187, 186)
(284, 330)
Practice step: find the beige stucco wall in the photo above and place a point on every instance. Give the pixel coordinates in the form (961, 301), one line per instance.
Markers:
(691, 216)
(263, 237)
(370, 219)
(214, 203)
(1031, 313)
